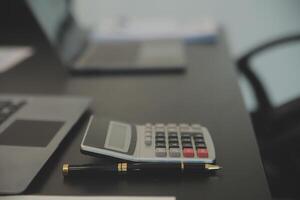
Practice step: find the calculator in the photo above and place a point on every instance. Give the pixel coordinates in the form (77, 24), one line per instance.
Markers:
(151, 142)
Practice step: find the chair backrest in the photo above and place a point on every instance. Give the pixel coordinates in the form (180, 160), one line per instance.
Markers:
(243, 64)
(277, 128)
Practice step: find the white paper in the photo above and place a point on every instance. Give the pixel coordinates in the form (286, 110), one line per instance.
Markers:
(45, 197)
(10, 56)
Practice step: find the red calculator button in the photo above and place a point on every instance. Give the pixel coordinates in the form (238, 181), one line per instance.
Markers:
(202, 153)
(188, 152)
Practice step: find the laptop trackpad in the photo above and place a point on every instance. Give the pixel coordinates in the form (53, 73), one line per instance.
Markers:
(31, 133)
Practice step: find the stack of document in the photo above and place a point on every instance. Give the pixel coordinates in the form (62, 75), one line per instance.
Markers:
(124, 28)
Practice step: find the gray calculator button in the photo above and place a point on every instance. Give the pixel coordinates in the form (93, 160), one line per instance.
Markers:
(185, 135)
(173, 139)
(160, 152)
(148, 125)
(160, 144)
(187, 140)
(149, 134)
(198, 135)
(196, 126)
(159, 125)
(172, 129)
(148, 140)
(184, 129)
(174, 152)
(199, 140)
(160, 134)
(148, 129)
(172, 134)
(200, 145)
(160, 139)
(171, 125)
(160, 129)
(173, 145)
(187, 145)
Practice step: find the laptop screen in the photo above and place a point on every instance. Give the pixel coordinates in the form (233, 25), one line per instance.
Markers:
(60, 27)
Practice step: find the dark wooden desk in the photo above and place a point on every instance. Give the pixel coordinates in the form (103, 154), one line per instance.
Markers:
(207, 93)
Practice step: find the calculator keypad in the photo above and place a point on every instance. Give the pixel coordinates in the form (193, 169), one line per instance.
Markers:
(176, 140)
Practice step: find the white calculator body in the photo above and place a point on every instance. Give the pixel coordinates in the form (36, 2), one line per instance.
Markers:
(150, 142)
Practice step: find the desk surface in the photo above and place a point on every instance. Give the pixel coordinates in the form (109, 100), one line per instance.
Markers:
(206, 93)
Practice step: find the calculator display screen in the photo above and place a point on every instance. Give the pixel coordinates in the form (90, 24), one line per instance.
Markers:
(118, 136)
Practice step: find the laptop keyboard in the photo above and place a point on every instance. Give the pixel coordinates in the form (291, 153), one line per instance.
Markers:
(7, 108)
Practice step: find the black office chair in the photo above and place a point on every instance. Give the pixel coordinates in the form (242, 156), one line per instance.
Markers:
(277, 129)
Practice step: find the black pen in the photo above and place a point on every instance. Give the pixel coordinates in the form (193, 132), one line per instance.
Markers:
(153, 167)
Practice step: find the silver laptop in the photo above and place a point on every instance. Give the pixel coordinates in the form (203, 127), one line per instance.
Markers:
(31, 128)
(80, 51)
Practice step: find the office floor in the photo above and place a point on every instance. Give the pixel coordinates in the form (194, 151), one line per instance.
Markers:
(248, 23)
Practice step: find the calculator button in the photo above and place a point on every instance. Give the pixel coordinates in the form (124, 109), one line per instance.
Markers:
(174, 152)
(160, 152)
(173, 139)
(183, 125)
(185, 135)
(186, 140)
(198, 135)
(188, 152)
(159, 125)
(187, 145)
(199, 140)
(172, 134)
(182, 130)
(202, 153)
(196, 126)
(159, 129)
(148, 126)
(160, 139)
(171, 129)
(160, 134)
(200, 145)
(148, 140)
(171, 125)
(149, 134)
(174, 142)
(174, 145)
(160, 145)
(148, 129)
